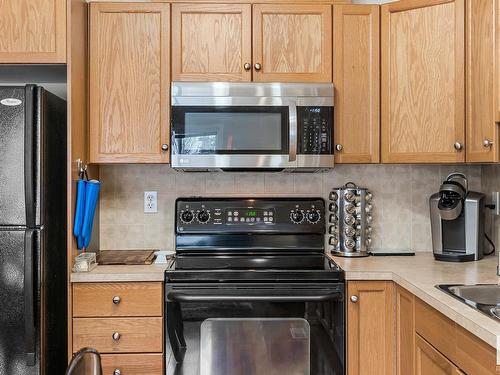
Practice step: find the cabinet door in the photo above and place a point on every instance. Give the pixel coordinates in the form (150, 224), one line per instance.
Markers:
(370, 328)
(356, 76)
(211, 42)
(428, 361)
(482, 131)
(292, 43)
(423, 100)
(33, 31)
(405, 331)
(129, 82)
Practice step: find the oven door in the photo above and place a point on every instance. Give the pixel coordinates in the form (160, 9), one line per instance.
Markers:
(254, 329)
(223, 136)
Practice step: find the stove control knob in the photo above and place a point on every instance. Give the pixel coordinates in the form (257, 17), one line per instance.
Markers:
(313, 217)
(297, 216)
(187, 217)
(203, 216)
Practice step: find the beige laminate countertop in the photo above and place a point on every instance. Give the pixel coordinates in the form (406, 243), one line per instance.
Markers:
(420, 274)
(103, 274)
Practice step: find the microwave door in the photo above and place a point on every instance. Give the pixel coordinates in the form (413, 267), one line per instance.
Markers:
(234, 137)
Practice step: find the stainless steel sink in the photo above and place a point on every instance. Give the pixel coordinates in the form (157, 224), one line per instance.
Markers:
(484, 297)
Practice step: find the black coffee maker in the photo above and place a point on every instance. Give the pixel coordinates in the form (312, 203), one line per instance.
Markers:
(457, 221)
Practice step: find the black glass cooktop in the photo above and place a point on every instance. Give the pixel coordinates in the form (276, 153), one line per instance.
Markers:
(253, 266)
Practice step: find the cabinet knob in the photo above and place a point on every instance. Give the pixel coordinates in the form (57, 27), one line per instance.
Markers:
(247, 66)
(164, 147)
(116, 300)
(458, 146)
(117, 372)
(487, 143)
(339, 147)
(116, 336)
(257, 66)
(354, 299)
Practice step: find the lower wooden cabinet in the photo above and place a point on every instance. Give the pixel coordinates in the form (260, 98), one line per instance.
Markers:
(405, 331)
(132, 364)
(123, 322)
(370, 328)
(428, 361)
(391, 331)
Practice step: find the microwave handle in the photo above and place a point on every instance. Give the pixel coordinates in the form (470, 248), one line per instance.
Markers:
(292, 142)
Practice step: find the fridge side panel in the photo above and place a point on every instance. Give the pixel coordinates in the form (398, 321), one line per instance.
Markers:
(13, 358)
(12, 138)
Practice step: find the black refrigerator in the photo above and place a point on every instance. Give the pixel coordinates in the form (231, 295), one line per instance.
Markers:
(33, 297)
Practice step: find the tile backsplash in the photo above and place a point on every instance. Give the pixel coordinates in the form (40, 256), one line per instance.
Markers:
(491, 182)
(401, 192)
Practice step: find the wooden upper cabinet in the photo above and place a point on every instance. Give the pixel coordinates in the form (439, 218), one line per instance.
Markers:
(423, 99)
(129, 82)
(292, 43)
(483, 82)
(356, 76)
(370, 328)
(211, 42)
(33, 31)
(428, 361)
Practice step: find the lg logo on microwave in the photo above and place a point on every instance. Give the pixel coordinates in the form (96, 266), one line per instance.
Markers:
(183, 161)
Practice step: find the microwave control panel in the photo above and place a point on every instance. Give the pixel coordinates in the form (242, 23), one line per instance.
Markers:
(315, 130)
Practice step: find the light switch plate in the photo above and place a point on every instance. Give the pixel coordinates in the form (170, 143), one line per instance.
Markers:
(495, 200)
(150, 202)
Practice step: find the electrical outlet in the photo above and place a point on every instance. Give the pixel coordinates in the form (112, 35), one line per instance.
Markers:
(150, 202)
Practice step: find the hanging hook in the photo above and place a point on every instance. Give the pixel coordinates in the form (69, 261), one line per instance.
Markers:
(82, 169)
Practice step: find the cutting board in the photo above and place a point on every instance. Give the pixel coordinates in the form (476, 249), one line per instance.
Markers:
(125, 257)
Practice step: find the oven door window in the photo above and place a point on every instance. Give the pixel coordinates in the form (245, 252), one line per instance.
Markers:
(230, 130)
(238, 337)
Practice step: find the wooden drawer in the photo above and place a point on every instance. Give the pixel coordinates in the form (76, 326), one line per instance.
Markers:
(474, 356)
(132, 364)
(435, 328)
(134, 299)
(137, 335)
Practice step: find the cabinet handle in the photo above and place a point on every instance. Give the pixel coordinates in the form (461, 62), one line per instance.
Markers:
(354, 299)
(247, 66)
(117, 300)
(117, 372)
(339, 147)
(257, 66)
(116, 336)
(487, 143)
(164, 147)
(458, 146)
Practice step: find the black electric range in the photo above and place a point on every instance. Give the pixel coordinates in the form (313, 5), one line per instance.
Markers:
(252, 262)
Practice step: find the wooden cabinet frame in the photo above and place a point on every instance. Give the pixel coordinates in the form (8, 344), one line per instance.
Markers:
(447, 152)
(482, 80)
(264, 74)
(30, 28)
(356, 75)
(158, 155)
(178, 74)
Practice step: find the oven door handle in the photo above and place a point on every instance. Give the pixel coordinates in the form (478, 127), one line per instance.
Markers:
(239, 295)
(293, 130)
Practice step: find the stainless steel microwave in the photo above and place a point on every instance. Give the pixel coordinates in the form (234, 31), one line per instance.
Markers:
(252, 126)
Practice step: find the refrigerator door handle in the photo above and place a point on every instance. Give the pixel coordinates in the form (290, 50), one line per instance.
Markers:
(29, 297)
(29, 156)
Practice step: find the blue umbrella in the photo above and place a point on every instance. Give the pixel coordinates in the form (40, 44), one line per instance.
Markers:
(79, 212)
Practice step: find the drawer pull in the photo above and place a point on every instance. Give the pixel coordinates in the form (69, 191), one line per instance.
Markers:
(116, 300)
(117, 372)
(354, 299)
(116, 336)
